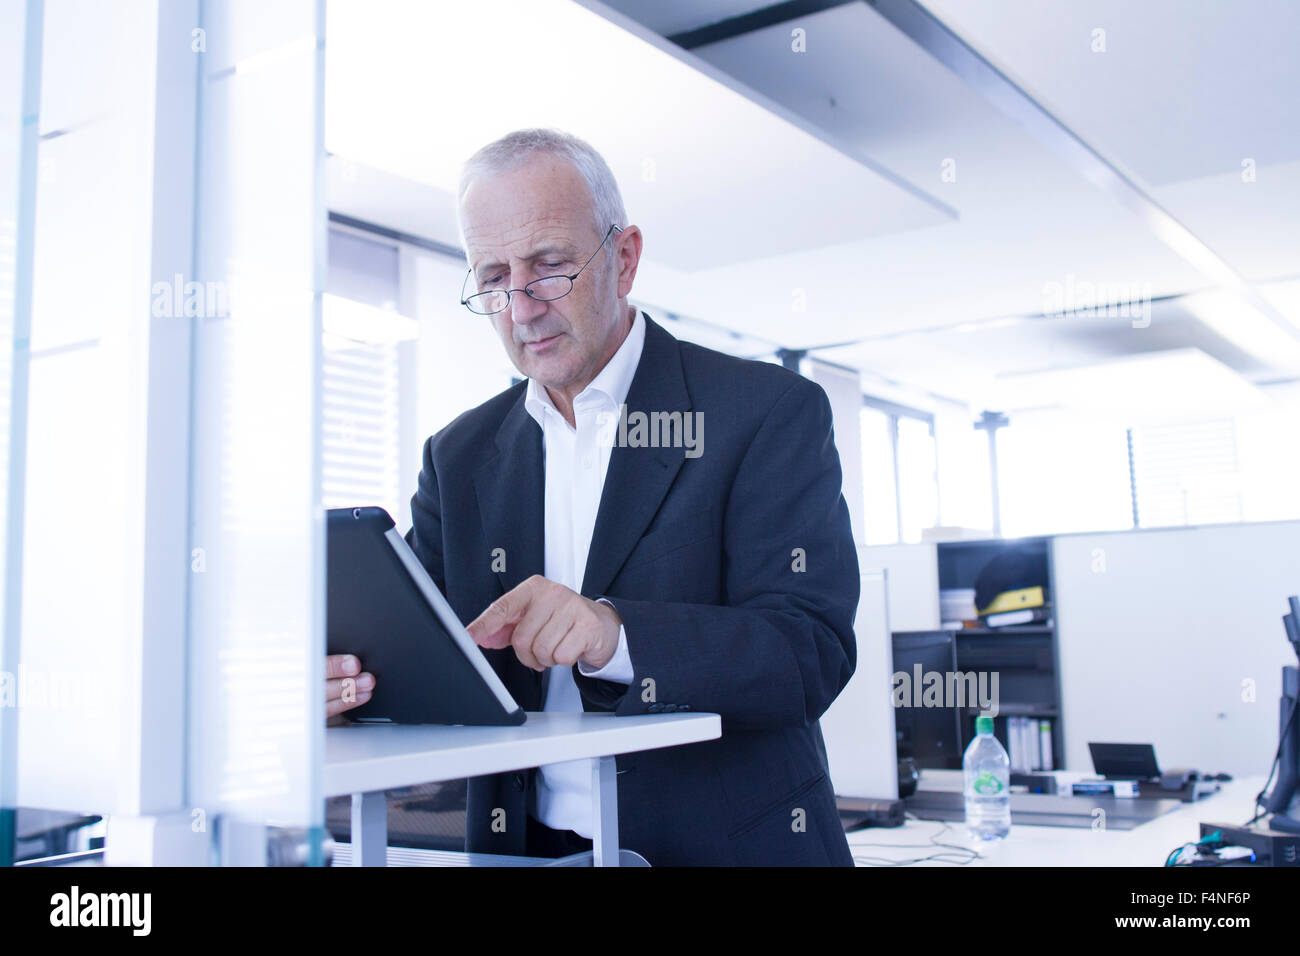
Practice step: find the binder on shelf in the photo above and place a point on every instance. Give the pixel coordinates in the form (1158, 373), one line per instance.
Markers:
(1037, 615)
(1029, 744)
(1020, 758)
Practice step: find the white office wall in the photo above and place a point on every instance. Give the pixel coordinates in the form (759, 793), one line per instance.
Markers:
(461, 361)
(1174, 637)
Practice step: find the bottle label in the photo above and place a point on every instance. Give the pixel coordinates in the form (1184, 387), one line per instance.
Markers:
(987, 785)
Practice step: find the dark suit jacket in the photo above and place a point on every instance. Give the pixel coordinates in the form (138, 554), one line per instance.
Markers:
(698, 555)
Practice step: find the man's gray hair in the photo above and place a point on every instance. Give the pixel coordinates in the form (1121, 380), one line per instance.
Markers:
(515, 148)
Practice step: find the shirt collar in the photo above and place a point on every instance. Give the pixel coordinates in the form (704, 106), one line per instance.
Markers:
(612, 382)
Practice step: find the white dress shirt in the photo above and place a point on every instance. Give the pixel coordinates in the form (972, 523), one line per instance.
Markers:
(574, 462)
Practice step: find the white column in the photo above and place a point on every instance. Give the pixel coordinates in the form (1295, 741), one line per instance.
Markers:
(20, 69)
(844, 389)
(103, 581)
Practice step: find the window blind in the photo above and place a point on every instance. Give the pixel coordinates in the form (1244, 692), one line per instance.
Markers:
(1187, 473)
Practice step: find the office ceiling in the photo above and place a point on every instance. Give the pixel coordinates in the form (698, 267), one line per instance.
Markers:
(991, 358)
(951, 224)
(671, 135)
(1184, 89)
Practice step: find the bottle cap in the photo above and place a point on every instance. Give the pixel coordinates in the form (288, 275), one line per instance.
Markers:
(983, 724)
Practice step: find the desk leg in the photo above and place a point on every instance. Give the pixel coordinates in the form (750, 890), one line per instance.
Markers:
(369, 829)
(604, 788)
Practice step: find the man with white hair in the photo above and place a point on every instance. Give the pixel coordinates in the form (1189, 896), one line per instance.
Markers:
(602, 570)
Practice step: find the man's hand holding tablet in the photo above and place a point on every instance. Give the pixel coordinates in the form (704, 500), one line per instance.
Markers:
(346, 686)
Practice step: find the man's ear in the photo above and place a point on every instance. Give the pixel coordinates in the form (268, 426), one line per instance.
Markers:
(627, 258)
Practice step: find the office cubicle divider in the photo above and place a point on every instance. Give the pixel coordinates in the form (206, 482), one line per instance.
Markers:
(1164, 635)
(1171, 637)
(858, 727)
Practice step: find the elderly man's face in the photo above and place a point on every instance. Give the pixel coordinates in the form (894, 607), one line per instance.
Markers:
(532, 221)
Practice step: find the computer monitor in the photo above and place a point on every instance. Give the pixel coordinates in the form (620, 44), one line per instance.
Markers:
(930, 736)
(1279, 800)
(1125, 761)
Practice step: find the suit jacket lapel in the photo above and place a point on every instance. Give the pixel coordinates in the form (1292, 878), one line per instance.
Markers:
(509, 487)
(638, 478)
(510, 484)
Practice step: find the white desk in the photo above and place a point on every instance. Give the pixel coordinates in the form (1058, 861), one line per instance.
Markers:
(1145, 845)
(364, 760)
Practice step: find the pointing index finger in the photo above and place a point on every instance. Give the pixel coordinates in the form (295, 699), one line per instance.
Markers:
(494, 627)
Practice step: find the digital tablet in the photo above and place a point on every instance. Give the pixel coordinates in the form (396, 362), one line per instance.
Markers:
(382, 606)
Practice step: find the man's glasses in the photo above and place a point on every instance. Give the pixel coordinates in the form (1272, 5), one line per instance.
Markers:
(545, 289)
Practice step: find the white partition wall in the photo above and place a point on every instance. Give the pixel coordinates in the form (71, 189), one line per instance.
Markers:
(162, 232)
(913, 583)
(257, 545)
(1174, 637)
(859, 726)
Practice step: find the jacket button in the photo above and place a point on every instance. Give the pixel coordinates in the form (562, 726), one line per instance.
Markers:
(669, 708)
(655, 708)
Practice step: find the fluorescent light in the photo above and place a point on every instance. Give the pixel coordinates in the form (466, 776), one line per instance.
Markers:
(1285, 297)
(1185, 243)
(982, 325)
(1228, 314)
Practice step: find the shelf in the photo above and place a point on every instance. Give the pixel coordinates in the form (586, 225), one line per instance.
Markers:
(1025, 655)
(1016, 710)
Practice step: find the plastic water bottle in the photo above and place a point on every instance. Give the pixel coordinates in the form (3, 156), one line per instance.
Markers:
(987, 770)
